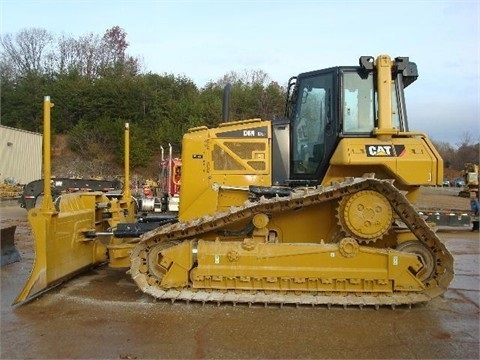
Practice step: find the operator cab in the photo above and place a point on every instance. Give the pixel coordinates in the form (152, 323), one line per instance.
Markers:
(326, 105)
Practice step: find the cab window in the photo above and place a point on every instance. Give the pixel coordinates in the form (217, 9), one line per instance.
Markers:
(358, 103)
(312, 114)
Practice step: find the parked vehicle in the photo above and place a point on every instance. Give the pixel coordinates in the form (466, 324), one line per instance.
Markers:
(459, 182)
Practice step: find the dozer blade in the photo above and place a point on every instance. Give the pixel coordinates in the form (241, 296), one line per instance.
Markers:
(62, 246)
(68, 234)
(10, 253)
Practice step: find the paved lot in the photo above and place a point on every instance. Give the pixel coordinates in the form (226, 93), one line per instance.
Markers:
(101, 315)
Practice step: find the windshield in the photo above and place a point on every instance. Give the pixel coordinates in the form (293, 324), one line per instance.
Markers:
(360, 104)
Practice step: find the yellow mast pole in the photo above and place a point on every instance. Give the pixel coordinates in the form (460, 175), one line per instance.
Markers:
(126, 189)
(47, 204)
(385, 128)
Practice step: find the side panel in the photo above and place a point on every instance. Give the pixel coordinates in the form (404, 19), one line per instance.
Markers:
(410, 161)
(220, 164)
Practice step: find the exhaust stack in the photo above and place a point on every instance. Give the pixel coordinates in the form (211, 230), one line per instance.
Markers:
(226, 103)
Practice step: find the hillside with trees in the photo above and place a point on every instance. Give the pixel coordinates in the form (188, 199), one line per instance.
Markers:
(96, 87)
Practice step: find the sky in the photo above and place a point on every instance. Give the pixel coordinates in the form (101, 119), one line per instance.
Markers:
(204, 40)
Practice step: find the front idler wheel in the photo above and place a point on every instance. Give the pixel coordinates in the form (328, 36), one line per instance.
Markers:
(424, 254)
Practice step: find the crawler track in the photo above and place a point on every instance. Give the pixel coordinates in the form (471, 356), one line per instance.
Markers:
(171, 235)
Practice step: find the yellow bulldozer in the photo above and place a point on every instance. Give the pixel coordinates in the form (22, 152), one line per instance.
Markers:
(316, 208)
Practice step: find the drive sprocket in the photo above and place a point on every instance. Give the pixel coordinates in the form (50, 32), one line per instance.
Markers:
(366, 215)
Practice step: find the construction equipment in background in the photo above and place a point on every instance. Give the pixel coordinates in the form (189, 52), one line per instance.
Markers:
(447, 219)
(312, 209)
(170, 174)
(164, 197)
(10, 191)
(32, 192)
(470, 174)
(9, 252)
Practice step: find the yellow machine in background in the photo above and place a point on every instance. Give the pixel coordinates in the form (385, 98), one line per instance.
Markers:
(470, 174)
(315, 208)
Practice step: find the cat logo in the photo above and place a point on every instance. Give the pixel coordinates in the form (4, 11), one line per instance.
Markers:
(385, 150)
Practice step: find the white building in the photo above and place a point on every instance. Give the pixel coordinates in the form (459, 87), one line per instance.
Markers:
(20, 155)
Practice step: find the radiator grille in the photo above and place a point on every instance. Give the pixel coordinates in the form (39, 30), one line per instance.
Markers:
(239, 155)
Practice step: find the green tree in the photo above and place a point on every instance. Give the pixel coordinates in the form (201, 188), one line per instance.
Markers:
(22, 101)
(253, 95)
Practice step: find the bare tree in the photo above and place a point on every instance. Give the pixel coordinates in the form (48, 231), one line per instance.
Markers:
(256, 77)
(466, 140)
(27, 50)
(65, 58)
(247, 78)
(91, 55)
